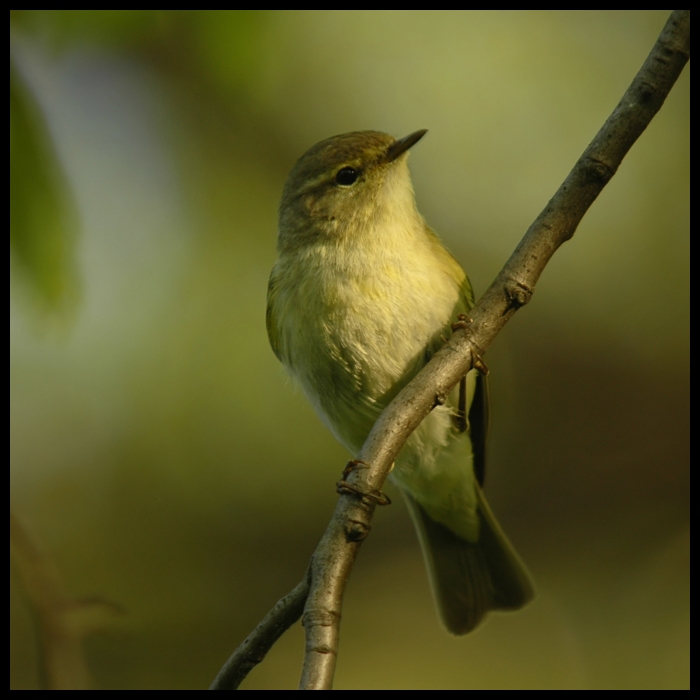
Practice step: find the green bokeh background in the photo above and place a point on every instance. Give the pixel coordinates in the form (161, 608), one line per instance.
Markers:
(162, 457)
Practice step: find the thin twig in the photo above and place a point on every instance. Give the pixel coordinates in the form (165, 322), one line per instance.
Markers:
(283, 615)
(512, 289)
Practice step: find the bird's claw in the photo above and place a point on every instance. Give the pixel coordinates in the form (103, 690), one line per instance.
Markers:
(344, 487)
(462, 322)
(352, 465)
(479, 364)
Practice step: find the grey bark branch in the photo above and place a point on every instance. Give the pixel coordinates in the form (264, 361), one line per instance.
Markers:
(513, 287)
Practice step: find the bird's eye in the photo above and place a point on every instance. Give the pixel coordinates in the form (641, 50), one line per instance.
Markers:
(346, 176)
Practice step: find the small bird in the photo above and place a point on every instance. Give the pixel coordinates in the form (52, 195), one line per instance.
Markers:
(362, 295)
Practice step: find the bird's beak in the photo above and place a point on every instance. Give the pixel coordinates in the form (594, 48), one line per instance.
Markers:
(402, 145)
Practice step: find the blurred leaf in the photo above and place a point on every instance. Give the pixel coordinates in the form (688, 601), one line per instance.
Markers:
(228, 45)
(102, 27)
(42, 218)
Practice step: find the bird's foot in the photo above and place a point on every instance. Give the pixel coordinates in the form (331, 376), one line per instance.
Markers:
(344, 487)
(462, 322)
(379, 497)
(479, 364)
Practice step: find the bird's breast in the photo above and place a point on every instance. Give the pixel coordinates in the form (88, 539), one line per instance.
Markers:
(356, 328)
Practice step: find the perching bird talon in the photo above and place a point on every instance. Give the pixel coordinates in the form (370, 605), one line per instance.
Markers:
(380, 498)
(460, 419)
(462, 322)
(479, 364)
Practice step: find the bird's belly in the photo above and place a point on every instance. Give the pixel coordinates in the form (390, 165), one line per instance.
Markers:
(363, 340)
(375, 336)
(359, 370)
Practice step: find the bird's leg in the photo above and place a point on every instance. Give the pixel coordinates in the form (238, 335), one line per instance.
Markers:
(460, 419)
(478, 363)
(462, 321)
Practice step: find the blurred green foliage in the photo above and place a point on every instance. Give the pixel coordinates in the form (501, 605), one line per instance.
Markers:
(111, 28)
(42, 219)
(157, 449)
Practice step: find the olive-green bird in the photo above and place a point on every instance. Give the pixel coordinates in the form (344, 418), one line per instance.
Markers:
(361, 297)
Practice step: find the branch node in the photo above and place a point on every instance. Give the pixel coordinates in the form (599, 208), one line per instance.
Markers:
(322, 649)
(518, 294)
(319, 618)
(439, 400)
(356, 531)
(597, 171)
(647, 91)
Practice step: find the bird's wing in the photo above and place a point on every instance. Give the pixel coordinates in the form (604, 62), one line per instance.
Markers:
(270, 318)
(479, 425)
(478, 410)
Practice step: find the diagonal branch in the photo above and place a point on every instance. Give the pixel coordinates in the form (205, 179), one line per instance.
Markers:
(513, 287)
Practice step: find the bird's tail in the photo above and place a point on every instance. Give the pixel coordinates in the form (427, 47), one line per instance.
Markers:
(470, 578)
